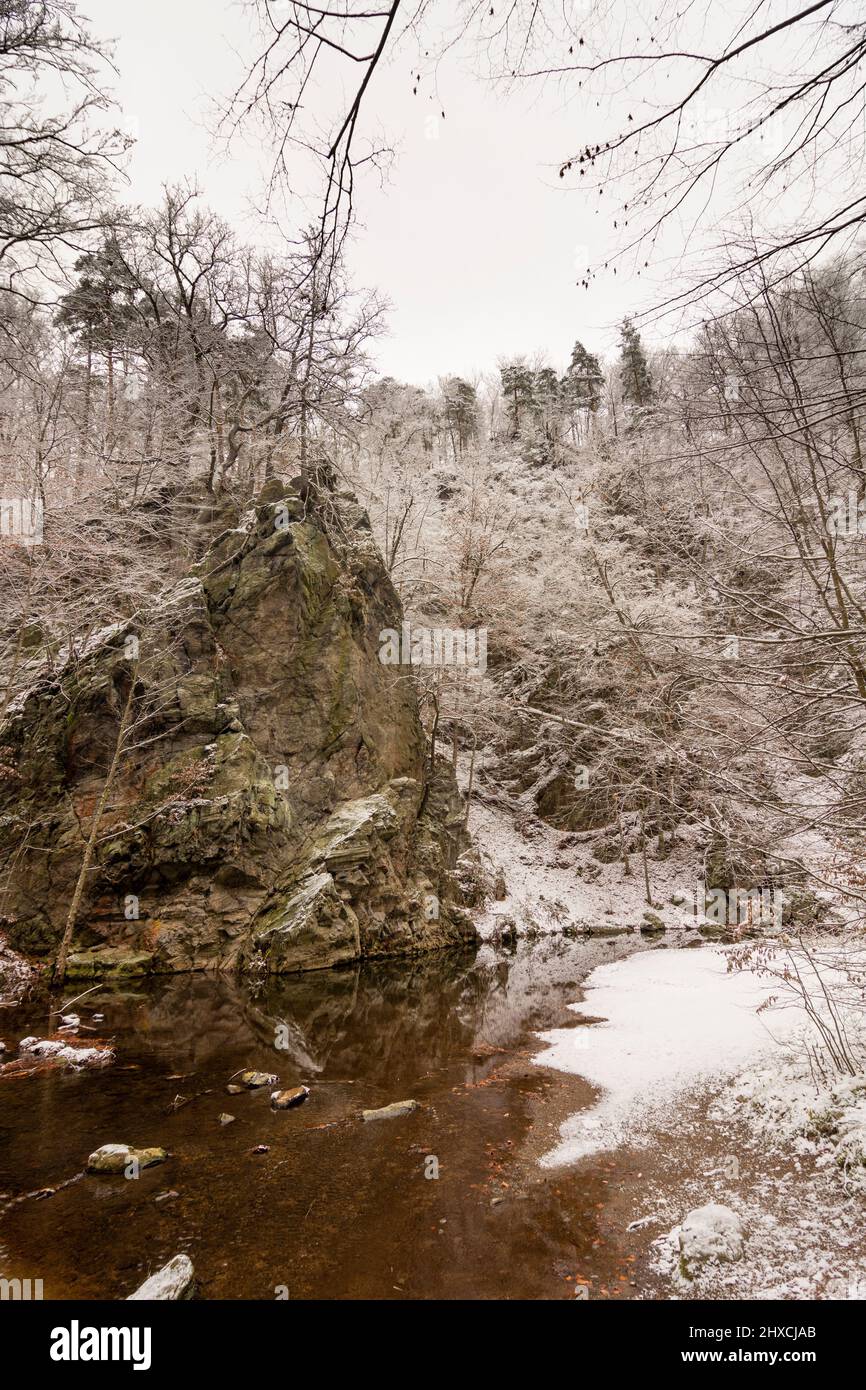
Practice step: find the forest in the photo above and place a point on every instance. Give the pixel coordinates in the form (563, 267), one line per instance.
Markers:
(357, 731)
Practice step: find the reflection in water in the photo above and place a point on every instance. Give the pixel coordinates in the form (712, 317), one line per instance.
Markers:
(334, 1208)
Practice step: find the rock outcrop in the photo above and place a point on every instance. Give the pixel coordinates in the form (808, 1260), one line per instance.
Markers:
(273, 806)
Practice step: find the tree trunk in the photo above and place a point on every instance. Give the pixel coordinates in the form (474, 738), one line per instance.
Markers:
(109, 419)
(646, 879)
(626, 867)
(471, 780)
(306, 386)
(59, 972)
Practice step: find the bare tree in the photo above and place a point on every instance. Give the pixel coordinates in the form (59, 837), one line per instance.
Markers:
(56, 166)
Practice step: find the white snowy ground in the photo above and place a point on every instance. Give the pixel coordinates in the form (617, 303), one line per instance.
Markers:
(553, 881)
(720, 1091)
(673, 1019)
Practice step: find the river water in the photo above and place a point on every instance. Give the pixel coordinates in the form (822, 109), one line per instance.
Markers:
(335, 1208)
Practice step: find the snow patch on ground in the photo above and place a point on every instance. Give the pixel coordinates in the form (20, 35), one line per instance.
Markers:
(802, 1239)
(784, 1105)
(554, 883)
(672, 1020)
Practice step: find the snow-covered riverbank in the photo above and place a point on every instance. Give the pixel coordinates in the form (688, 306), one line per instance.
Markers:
(713, 1074)
(552, 881)
(705, 1070)
(672, 1019)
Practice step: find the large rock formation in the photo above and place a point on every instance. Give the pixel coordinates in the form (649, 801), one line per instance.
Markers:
(274, 805)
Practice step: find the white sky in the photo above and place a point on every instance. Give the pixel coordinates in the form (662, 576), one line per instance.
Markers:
(473, 238)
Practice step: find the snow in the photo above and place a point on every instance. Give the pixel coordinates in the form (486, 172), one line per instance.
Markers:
(802, 1238)
(825, 1122)
(73, 1055)
(554, 882)
(712, 1232)
(672, 1020)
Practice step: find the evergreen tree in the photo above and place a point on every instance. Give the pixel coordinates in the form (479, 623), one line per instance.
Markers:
(583, 379)
(517, 388)
(580, 390)
(546, 402)
(460, 412)
(637, 391)
(99, 312)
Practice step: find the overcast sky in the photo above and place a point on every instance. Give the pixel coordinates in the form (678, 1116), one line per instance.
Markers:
(474, 239)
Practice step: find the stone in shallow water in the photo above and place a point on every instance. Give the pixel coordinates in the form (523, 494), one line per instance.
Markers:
(115, 1158)
(174, 1281)
(391, 1112)
(226, 1119)
(67, 1053)
(284, 1100)
(652, 922)
(253, 1080)
(111, 961)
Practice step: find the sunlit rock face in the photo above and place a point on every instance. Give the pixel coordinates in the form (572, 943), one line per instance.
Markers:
(274, 806)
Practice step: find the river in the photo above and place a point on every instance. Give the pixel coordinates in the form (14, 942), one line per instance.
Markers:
(448, 1202)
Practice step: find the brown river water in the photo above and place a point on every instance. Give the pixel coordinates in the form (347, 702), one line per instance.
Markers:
(335, 1208)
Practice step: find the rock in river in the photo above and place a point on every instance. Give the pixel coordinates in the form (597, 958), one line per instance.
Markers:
(40, 1054)
(652, 923)
(174, 1281)
(391, 1112)
(115, 1158)
(254, 1080)
(284, 1100)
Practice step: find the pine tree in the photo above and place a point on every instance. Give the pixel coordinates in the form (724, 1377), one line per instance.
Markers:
(546, 403)
(637, 390)
(460, 410)
(98, 312)
(580, 390)
(517, 388)
(583, 379)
